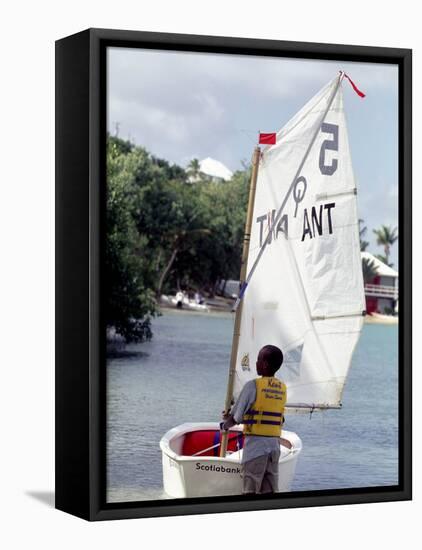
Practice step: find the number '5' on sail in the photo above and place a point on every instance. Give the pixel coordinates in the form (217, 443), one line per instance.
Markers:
(306, 294)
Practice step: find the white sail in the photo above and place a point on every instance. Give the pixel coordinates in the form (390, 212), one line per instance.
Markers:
(306, 292)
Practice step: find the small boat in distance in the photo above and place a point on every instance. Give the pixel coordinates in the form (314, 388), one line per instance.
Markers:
(301, 290)
(182, 301)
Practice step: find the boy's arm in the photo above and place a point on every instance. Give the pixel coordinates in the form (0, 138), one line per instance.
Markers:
(228, 423)
(246, 398)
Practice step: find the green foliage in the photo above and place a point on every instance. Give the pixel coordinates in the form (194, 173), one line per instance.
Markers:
(362, 230)
(194, 170)
(386, 237)
(130, 300)
(383, 259)
(369, 270)
(164, 233)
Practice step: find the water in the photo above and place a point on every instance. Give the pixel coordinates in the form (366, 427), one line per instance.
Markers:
(181, 376)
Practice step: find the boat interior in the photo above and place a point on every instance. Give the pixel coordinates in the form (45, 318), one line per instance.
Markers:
(205, 443)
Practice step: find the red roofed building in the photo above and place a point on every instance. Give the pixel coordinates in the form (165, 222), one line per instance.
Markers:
(382, 292)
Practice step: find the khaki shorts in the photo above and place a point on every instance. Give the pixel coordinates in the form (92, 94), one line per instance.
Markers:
(260, 475)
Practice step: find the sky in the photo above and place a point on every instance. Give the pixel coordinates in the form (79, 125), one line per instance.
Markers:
(181, 106)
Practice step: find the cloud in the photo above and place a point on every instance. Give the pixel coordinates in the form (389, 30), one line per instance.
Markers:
(173, 102)
(149, 70)
(193, 105)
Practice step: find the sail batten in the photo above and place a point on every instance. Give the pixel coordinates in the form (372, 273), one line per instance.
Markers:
(304, 286)
(340, 316)
(304, 409)
(325, 196)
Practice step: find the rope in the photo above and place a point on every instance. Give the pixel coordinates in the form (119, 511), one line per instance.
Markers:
(215, 446)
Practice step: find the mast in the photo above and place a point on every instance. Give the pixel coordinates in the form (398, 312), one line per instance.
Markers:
(238, 314)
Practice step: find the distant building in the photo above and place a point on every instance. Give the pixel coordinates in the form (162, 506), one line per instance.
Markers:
(382, 291)
(213, 170)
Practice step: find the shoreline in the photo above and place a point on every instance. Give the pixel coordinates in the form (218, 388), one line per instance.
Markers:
(224, 307)
(380, 319)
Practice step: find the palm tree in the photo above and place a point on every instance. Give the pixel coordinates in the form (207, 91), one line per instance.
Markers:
(194, 169)
(369, 270)
(362, 230)
(386, 237)
(383, 259)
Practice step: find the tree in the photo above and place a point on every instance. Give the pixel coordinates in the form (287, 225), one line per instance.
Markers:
(181, 243)
(193, 170)
(163, 233)
(369, 270)
(224, 206)
(362, 230)
(130, 301)
(386, 237)
(209, 240)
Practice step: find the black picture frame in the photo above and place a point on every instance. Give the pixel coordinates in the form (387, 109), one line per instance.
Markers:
(80, 327)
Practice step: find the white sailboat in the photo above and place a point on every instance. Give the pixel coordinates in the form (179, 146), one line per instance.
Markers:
(303, 292)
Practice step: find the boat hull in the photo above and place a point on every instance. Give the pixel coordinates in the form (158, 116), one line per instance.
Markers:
(170, 301)
(201, 476)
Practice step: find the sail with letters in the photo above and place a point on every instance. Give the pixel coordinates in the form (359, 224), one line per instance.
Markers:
(304, 289)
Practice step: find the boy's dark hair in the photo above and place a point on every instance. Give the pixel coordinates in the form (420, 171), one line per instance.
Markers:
(273, 357)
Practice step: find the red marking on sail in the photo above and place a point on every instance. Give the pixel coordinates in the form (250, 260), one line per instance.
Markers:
(267, 139)
(360, 94)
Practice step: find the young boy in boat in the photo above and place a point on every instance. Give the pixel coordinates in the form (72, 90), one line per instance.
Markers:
(260, 408)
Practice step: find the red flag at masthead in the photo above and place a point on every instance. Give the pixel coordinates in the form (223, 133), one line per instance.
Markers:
(267, 139)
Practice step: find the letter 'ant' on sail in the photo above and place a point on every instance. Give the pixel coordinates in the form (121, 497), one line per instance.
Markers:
(316, 226)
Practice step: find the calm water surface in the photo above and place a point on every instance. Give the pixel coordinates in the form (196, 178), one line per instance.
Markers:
(181, 376)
